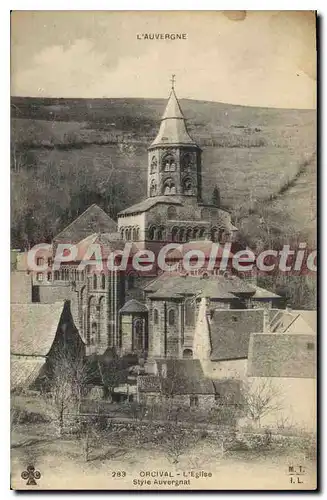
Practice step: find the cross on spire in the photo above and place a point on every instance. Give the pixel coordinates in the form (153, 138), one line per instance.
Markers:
(173, 81)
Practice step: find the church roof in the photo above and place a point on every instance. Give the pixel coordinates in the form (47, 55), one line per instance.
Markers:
(109, 242)
(173, 128)
(148, 203)
(94, 219)
(34, 327)
(133, 306)
(230, 332)
(282, 355)
(215, 287)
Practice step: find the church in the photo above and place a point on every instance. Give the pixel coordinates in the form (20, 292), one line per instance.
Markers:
(173, 210)
(153, 315)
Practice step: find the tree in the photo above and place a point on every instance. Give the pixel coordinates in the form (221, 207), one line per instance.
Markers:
(260, 398)
(110, 370)
(66, 379)
(216, 197)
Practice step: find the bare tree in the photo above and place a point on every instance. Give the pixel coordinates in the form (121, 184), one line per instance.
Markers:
(66, 381)
(260, 399)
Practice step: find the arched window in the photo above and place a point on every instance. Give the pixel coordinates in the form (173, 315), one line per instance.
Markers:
(153, 166)
(169, 163)
(160, 233)
(189, 233)
(62, 274)
(214, 234)
(137, 234)
(152, 232)
(205, 214)
(201, 233)
(182, 235)
(174, 234)
(172, 212)
(134, 234)
(49, 276)
(171, 317)
(138, 336)
(102, 318)
(95, 282)
(195, 233)
(130, 281)
(187, 354)
(103, 281)
(189, 312)
(153, 188)
(56, 275)
(169, 187)
(187, 186)
(94, 333)
(187, 162)
(155, 316)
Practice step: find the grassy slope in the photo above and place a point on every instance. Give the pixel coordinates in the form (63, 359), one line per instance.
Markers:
(243, 173)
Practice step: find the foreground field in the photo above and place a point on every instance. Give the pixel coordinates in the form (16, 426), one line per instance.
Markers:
(63, 466)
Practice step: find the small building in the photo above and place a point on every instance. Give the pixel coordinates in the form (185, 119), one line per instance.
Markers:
(284, 364)
(40, 334)
(180, 381)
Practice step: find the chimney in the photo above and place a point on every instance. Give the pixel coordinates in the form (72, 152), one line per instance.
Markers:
(288, 308)
(266, 321)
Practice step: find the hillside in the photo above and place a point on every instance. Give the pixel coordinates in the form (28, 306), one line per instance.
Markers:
(69, 153)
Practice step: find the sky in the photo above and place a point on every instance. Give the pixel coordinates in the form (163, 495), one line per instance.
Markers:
(253, 58)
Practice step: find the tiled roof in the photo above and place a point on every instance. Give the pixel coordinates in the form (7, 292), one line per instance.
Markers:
(94, 219)
(282, 355)
(230, 332)
(20, 287)
(148, 203)
(184, 376)
(24, 371)
(173, 128)
(261, 293)
(214, 287)
(133, 306)
(108, 243)
(34, 327)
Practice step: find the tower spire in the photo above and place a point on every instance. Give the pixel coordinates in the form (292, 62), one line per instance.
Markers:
(173, 81)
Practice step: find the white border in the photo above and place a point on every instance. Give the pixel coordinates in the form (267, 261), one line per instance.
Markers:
(5, 179)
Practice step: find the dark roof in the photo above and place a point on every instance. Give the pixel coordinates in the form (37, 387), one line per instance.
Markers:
(20, 287)
(184, 376)
(94, 219)
(24, 371)
(230, 332)
(214, 287)
(34, 327)
(133, 306)
(109, 242)
(282, 355)
(173, 129)
(148, 203)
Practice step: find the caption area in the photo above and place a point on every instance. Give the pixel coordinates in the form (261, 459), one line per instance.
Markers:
(168, 478)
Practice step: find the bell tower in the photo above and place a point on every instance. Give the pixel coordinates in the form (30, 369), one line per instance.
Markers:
(174, 159)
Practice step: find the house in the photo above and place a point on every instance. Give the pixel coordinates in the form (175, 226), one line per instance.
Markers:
(284, 364)
(40, 334)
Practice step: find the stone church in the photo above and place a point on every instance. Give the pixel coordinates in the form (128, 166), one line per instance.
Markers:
(152, 315)
(173, 210)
